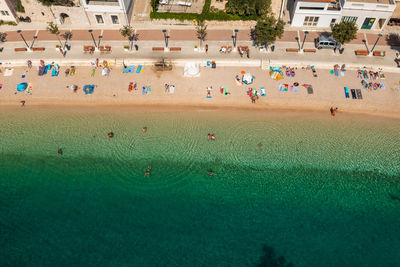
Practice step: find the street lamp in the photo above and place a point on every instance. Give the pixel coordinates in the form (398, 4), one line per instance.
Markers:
(165, 38)
(91, 33)
(34, 38)
(305, 36)
(365, 43)
(234, 38)
(98, 45)
(298, 43)
(67, 36)
(19, 31)
(377, 39)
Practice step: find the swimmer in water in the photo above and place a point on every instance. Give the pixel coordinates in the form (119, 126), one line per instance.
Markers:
(208, 136)
(59, 151)
(260, 145)
(213, 137)
(147, 173)
(110, 134)
(211, 173)
(144, 129)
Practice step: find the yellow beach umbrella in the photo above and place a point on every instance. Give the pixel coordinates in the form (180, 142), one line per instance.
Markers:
(276, 75)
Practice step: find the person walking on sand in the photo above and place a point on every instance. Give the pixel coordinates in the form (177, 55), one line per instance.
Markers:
(206, 48)
(22, 103)
(333, 111)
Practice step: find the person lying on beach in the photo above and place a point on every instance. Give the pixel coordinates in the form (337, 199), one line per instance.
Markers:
(209, 90)
(333, 111)
(147, 173)
(166, 88)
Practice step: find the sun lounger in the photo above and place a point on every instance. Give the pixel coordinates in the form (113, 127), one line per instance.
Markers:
(262, 91)
(144, 90)
(281, 87)
(55, 72)
(129, 69)
(291, 88)
(148, 90)
(346, 92)
(1, 85)
(171, 89)
(41, 70)
(353, 94)
(381, 75)
(383, 86)
(359, 94)
(139, 69)
(226, 91)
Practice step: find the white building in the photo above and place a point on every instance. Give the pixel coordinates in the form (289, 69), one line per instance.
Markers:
(7, 12)
(108, 12)
(368, 14)
(315, 13)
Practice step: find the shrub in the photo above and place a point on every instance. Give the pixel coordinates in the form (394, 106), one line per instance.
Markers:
(19, 7)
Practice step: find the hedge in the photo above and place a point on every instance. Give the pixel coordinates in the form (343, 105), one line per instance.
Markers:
(205, 14)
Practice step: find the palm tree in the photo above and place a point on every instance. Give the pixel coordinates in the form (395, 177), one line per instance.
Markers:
(201, 31)
(53, 29)
(129, 32)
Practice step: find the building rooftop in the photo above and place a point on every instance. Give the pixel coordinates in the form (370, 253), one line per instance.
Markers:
(383, 2)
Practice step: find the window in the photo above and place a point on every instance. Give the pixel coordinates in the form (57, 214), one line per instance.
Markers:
(99, 19)
(347, 18)
(114, 19)
(333, 21)
(310, 21)
(311, 7)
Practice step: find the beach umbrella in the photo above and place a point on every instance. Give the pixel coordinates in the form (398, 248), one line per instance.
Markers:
(22, 87)
(276, 75)
(247, 78)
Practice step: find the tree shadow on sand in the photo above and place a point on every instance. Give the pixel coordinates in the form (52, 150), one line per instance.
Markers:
(270, 259)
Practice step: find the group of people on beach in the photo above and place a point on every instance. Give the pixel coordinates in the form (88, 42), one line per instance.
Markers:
(372, 75)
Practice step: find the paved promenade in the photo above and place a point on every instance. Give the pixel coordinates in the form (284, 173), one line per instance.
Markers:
(186, 40)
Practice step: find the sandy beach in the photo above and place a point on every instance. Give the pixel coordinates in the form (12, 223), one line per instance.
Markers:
(191, 91)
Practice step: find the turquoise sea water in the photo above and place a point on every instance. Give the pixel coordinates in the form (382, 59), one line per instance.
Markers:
(318, 192)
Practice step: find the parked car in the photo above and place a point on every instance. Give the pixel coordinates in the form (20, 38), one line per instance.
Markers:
(326, 42)
(163, 2)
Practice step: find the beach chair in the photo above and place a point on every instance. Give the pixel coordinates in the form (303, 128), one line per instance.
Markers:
(280, 87)
(346, 92)
(148, 91)
(359, 94)
(353, 94)
(262, 89)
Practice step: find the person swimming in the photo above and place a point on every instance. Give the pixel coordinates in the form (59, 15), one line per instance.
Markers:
(208, 136)
(144, 129)
(59, 151)
(211, 173)
(213, 137)
(147, 173)
(110, 134)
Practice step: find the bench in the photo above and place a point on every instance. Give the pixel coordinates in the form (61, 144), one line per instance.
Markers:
(379, 53)
(38, 48)
(292, 50)
(88, 48)
(106, 48)
(310, 50)
(20, 49)
(362, 53)
(158, 48)
(175, 49)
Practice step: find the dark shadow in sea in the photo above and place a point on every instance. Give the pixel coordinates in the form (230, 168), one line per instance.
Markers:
(270, 259)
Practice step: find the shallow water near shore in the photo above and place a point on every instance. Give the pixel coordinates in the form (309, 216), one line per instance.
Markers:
(318, 192)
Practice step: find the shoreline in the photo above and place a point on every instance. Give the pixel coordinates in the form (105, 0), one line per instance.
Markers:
(197, 107)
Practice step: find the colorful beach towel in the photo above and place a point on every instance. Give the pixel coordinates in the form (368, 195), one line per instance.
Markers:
(54, 72)
(88, 89)
(144, 90)
(262, 89)
(129, 69)
(139, 69)
(148, 90)
(309, 88)
(281, 87)
(22, 87)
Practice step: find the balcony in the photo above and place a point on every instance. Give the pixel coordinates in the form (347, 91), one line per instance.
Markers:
(103, 2)
(334, 7)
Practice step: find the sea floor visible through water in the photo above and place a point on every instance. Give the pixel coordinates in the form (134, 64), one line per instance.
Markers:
(299, 187)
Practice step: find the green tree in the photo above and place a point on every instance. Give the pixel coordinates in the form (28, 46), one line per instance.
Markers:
(201, 31)
(128, 32)
(267, 30)
(344, 31)
(53, 29)
(248, 7)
